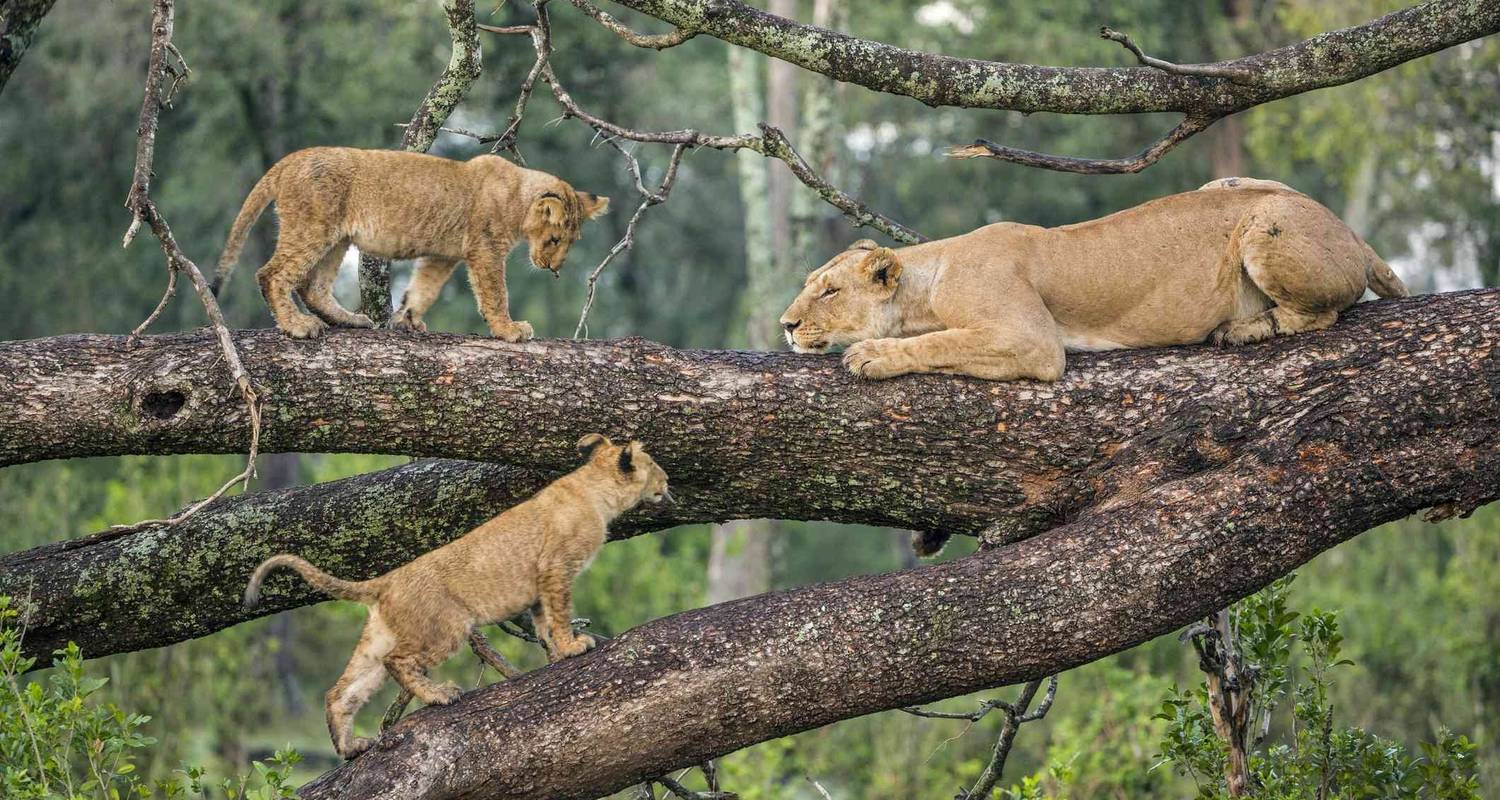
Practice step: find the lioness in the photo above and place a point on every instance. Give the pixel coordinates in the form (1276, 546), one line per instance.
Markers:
(394, 204)
(1240, 260)
(525, 558)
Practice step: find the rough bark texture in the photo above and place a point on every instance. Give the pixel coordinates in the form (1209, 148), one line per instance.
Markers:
(1329, 59)
(1317, 445)
(1006, 459)
(18, 23)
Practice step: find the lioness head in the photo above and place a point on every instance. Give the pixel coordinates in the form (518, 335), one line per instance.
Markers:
(846, 300)
(630, 464)
(552, 224)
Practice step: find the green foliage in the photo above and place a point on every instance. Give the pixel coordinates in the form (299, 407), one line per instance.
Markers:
(59, 741)
(1312, 759)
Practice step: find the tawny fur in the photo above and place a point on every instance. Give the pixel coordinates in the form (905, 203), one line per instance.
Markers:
(1239, 260)
(394, 204)
(524, 559)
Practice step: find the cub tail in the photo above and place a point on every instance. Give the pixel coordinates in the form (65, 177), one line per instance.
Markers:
(1381, 278)
(260, 197)
(358, 591)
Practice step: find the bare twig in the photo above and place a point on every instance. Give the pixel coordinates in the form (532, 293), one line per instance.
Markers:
(984, 148)
(1230, 688)
(685, 793)
(653, 41)
(772, 143)
(1234, 74)
(1016, 715)
(821, 791)
(648, 199)
(144, 212)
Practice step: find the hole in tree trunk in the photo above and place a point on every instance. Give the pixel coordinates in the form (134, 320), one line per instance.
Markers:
(163, 404)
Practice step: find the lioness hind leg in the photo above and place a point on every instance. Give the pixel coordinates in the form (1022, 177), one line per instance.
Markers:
(317, 291)
(1305, 259)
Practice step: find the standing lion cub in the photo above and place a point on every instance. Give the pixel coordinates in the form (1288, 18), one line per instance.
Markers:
(525, 558)
(404, 205)
(1240, 260)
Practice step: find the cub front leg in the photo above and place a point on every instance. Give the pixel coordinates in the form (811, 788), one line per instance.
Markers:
(556, 624)
(426, 284)
(487, 274)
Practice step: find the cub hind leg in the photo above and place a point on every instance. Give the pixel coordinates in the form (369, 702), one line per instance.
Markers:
(361, 679)
(1305, 260)
(317, 291)
(298, 250)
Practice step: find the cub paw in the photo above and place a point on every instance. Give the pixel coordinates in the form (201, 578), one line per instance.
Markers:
(875, 358)
(305, 327)
(512, 332)
(355, 748)
(446, 694)
(360, 321)
(405, 320)
(582, 643)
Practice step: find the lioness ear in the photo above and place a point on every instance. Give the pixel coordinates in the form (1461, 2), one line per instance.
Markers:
(551, 207)
(881, 266)
(863, 244)
(589, 442)
(593, 204)
(627, 456)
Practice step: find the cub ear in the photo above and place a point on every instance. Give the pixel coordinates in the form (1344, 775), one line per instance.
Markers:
(589, 442)
(863, 244)
(627, 457)
(550, 206)
(881, 266)
(593, 204)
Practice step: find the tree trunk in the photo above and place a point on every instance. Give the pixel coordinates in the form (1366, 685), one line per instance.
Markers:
(18, 23)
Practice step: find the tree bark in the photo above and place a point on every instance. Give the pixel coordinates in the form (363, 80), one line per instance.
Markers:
(744, 436)
(1334, 451)
(1329, 59)
(18, 23)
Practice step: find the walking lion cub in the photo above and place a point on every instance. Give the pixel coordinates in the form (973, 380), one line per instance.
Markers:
(1239, 260)
(525, 558)
(395, 204)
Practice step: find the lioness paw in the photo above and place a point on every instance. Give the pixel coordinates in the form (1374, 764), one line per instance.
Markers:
(513, 331)
(875, 358)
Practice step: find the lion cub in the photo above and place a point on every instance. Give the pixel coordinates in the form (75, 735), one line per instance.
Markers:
(525, 558)
(404, 205)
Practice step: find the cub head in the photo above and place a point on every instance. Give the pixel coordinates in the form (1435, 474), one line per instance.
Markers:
(630, 464)
(847, 300)
(553, 221)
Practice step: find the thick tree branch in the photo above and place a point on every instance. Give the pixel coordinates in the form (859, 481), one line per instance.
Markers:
(1333, 458)
(1328, 59)
(18, 23)
(743, 435)
(1204, 93)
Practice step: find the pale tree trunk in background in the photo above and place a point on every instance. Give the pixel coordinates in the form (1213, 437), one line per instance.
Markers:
(1227, 138)
(739, 557)
(283, 471)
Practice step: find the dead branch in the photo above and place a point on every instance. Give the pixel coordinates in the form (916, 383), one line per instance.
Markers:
(1016, 714)
(983, 148)
(1232, 73)
(143, 211)
(655, 41)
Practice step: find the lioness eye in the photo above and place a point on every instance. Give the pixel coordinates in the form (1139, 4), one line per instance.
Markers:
(829, 292)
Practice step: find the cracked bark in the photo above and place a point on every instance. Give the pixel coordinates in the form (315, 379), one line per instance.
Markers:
(18, 23)
(1005, 460)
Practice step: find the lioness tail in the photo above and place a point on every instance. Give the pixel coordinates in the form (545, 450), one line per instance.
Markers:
(260, 197)
(1382, 279)
(359, 591)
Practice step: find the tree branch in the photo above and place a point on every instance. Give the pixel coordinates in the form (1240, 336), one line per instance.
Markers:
(743, 435)
(1139, 565)
(657, 41)
(18, 23)
(983, 148)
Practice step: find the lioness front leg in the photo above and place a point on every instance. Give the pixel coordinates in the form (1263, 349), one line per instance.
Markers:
(487, 274)
(994, 354)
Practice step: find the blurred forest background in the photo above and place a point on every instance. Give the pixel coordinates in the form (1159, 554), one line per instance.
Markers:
(1408, 157)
